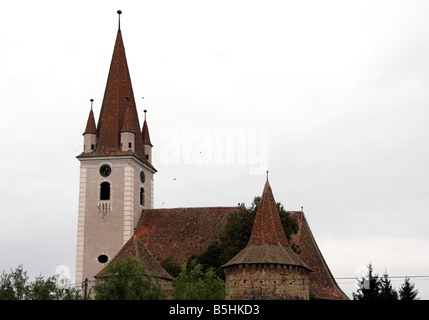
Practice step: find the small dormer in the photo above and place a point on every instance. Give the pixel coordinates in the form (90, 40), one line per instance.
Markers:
(128, 136)
(90, 134)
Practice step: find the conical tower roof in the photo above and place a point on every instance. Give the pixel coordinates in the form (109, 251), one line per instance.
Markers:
(145, 134)
(268, 243)
(90, 124)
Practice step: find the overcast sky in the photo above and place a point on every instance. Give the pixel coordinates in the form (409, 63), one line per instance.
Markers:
(330, 96)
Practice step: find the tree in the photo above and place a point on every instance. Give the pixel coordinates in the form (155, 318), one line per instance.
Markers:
(127, 279)
(407, 291)
(16, 286)
(194, 284)
(372, 287)
(386, 290)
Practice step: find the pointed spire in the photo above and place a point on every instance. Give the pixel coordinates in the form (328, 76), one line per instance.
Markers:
(267, 227)
(113, 118)
(90, 125)
(145, 132)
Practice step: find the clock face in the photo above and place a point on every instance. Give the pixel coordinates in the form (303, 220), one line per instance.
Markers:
(142, 176)
(105, 170)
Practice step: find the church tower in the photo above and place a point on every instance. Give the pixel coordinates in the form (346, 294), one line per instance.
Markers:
(116, 172)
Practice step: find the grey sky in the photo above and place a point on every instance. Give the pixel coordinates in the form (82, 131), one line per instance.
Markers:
(333, 94)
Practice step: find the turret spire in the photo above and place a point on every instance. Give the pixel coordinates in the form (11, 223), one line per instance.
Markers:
(145, 132)
(90, 124)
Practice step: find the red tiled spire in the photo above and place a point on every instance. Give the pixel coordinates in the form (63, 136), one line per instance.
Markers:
(115, 103)
(113, 119)
(145, 133)
(90, 125)
(267, 227)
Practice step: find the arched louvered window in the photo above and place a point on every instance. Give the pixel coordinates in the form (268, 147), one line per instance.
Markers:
(105, 191)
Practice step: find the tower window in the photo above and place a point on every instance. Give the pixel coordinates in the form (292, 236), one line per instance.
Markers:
(102, 258)
(142, 200)
(147, 157)
(105, 191)
(129, 145)
(92, 146)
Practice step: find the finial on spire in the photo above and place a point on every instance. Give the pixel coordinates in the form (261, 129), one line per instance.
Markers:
(145, 114)
(92, 100)
(267, 175)
(119, 17)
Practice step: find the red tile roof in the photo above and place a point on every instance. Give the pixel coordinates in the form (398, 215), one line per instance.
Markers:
(322, 282)
(181, 232)
(135, 248)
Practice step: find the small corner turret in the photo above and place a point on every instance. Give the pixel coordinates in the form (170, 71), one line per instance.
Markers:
(146, 140)
(90, 134)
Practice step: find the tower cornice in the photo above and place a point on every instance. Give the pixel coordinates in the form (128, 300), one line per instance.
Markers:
(115, 158)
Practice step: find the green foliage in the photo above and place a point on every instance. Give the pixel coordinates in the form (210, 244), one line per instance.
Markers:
(407, 291)
(126, 279)
(16, 286)
(237, 234)
(194, 284)
(386, 291)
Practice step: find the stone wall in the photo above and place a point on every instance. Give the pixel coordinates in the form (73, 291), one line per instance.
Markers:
(266, 282)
